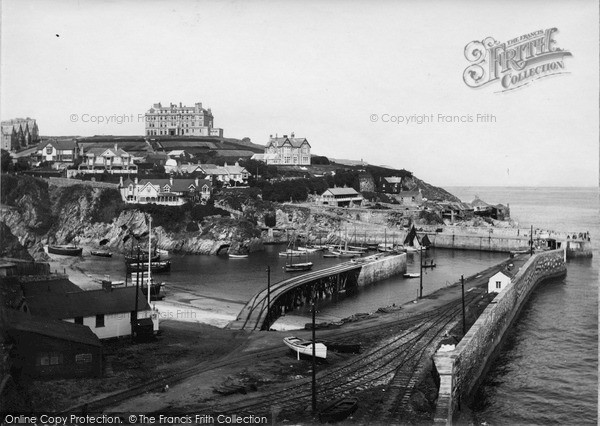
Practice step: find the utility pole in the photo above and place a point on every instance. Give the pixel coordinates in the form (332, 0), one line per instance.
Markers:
(462, 282)
(268, 297)
(421, 273)
(314, 355)
(137, 284)
(531, 241)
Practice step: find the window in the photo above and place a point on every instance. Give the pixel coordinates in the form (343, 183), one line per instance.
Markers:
(49, 150)
(498, 284)
(99, 320)
(83, 358)
(78, 320)
(49, 358)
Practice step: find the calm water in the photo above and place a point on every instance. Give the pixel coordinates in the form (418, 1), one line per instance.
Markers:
(547, 371)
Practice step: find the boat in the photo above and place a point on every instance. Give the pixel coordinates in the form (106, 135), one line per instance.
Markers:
(412, 275)
(308, 249)
(143, 258)
(237, 256)
(385, 247)
(156, 267)
(338, 410)
(290, 253)
(331, 254)
(100, 253)
(163, 252)
(411, 249)
(155, 287)
(297, 267)
(305, 347)
(65, 250)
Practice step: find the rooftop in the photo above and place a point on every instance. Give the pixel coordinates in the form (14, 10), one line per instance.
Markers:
(86, 303)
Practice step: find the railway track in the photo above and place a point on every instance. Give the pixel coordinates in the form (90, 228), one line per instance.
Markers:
(377, 367)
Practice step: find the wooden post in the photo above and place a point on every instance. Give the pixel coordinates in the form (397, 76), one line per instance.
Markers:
(314, 355)
(462, 282)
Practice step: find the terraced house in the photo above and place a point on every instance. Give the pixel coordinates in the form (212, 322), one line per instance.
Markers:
(287, 151)
(166, 192)
(19, 133)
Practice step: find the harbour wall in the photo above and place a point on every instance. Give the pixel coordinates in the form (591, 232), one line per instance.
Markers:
(488, 242)
(462, 369)
(382, 268)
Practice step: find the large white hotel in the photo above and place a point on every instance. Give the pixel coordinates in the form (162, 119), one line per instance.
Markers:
(180, 120)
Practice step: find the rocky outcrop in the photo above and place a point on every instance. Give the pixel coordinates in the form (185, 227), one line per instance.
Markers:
(10, 245)
(79, 215)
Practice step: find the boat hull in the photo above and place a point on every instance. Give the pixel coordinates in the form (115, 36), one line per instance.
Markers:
(305, 347)
(65, 250)
(155, 267)
(297, 267)
(338, 410)
(101, 253)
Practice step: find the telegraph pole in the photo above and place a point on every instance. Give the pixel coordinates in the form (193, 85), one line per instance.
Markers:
(531, 241)
(268, 296)
(421, 273)
(314, 355)
(462, 282)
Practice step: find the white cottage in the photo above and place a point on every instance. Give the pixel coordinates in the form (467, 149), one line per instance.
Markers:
(499, 281)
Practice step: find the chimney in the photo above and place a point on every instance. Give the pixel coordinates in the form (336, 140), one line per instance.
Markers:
(237, 164)
(136, 180)
(292, 134)
(225, 164)
(171, 179)
(196, 181)
(116, 147)
(180, 106)
(284, 136)
(120, 180)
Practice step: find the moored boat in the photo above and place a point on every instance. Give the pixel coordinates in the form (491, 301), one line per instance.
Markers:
(237, 256)
(101, 253)
(290, 253)
(412, 275)
(305, 347)
(297, 267)
(65, 250)
(339, 410)
(155, 267)
(142, 258)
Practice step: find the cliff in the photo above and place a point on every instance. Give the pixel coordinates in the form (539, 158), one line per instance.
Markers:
(36, 214)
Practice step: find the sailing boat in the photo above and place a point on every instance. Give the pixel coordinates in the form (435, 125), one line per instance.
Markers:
(345, 252)
(154, 293)
(297, 267)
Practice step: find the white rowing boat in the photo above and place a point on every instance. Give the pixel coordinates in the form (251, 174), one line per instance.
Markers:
(305, 347)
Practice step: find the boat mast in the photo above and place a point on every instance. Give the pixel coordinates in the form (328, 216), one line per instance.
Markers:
(149, 257)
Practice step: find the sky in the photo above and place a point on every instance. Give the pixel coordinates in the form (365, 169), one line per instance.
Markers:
(340, 73)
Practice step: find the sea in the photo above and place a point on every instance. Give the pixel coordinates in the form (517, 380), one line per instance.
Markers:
(547, 369)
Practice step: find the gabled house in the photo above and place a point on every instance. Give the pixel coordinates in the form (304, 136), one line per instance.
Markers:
(391, 184)
(166, 192)
(111, 160)
(230, 175)
(288, 150)
(19, 133)
(58, 151)
(481, 208)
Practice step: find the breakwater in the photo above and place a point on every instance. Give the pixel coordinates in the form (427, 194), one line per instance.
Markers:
(381, 268)
(462, 369)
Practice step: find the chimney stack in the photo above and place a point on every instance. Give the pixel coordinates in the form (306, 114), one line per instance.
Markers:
(171, 179)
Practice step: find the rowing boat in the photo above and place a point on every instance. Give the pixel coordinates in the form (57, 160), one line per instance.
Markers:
(305, 347)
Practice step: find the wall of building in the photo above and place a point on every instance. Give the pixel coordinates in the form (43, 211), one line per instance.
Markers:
(115, 325)
(32, 346)
(384, 267)
(462, 369)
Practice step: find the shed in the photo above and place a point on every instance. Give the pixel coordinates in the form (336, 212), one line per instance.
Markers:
(48, 348)
(499, 281)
